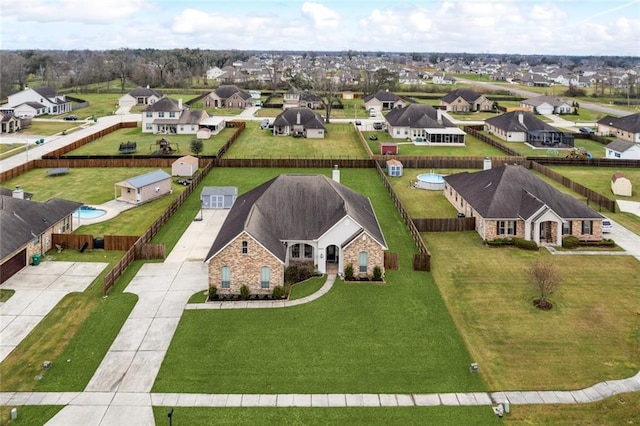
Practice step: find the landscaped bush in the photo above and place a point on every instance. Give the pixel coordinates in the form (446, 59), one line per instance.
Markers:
(521, 243)
(498, 242)
(244, 292)
(278, 292)
(604, 243)
(213, 293)
(570, 242)
(298, 271)
(348, 272)
(377, 273)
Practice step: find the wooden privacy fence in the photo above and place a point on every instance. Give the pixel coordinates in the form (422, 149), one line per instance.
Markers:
(592, 196)
(72, 241)
(390, 260)
(424, 263)
(141, 247)
(585, 162)
(294, 163)
(240, 126)
(418, 162)
(150, 251)
(89, 138)
(473, 131)
(445, 224)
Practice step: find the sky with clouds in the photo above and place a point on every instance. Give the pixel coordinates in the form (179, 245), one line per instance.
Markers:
(559, 27)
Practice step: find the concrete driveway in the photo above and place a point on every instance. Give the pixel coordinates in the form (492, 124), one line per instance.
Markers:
(38, 289)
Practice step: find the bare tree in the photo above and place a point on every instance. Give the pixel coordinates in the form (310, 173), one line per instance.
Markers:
(545, 278)
(13, 73)
(121, 62)
(326, 88)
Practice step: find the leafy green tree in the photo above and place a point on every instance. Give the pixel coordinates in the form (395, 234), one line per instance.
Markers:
(196, 147)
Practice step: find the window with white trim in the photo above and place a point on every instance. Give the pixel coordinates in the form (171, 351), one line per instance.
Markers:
(225, 277)
(362, 262)
(265, 277)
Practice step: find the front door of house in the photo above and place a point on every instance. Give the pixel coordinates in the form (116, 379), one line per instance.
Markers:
(332, 254)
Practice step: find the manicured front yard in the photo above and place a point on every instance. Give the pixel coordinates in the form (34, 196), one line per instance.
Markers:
(590, 335)
(377, 338)
(340, 141)
(50, 128)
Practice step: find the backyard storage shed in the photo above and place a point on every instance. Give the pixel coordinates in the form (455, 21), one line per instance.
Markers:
(388, 148)
(186, 166)
(218, 197)
(394, 168)
(144, 188)
(621, 185)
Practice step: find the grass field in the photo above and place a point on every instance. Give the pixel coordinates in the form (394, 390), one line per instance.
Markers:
(29, 415)
(306, 288)
(342, 342)
(340, 141)
(589, 336)
(473, 147)
(48, 128)
(599, 179)
(594, 148)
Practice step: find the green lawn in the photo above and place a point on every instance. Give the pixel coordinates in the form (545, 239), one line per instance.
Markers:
(29, 415)
(306, 288)
(594, 148)
(396, 337)
(340, 141)
(44, 128)
(5, 294)
(590, 335)
(599, 179)
(363, 416)
(473, 147)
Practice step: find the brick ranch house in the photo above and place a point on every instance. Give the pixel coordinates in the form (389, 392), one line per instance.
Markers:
(510, 201)
(290, 219)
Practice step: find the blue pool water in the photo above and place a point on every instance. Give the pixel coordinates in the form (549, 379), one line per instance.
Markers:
(85, 212)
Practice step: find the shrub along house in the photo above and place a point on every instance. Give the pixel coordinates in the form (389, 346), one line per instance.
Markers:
(289, 220)
(510, 201)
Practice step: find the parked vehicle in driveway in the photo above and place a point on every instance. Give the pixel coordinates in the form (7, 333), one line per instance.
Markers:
(586, 130)
(607, 226)
(377, 125)
(71, 118)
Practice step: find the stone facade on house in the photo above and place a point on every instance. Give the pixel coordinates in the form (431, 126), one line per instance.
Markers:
(245, 268)
(375, 255)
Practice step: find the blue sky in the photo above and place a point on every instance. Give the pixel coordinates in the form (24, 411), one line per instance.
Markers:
(573, 27)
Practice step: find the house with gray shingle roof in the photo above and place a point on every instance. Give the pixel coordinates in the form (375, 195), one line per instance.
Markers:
(547, 105)
(294, 219)
(623, 150)
(510, 201)
(227, 96)
(27, 228)
(144, 188)
(423, 124)
(38, 101)
(299, 121)
(626, 128)
(168, 116)
(383, 100)
(522, 126)
(139, 96)
(465, 100)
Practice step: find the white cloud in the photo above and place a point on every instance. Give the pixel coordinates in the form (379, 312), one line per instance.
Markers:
(323, 17)
(547, 12)
(80, 11)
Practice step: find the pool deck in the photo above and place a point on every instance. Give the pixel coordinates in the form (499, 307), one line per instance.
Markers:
(112, 208)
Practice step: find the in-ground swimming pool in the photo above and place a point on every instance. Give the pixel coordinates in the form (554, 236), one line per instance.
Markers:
(86, 212)
(432, 181)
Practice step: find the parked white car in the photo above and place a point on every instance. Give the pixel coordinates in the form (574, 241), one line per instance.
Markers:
(607, 226)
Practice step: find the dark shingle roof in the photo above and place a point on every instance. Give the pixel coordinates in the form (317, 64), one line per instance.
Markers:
(226, 90)
(295, 207)
(308, 118)
(511, 191)
(144, 92)
(23, 220)
(510, 122)
(382, 95)
(468, 95)
(46, 92)
(630, 123)
(165, 104)
(192, 116)
(417, 116)
(619, 145)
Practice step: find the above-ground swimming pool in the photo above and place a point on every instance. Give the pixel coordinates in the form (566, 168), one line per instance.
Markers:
(86, 212)
(431, 181)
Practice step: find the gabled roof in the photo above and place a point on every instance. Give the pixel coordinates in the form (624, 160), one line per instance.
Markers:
(618, 175)
(9, 193)
(420, 116)
(382, 95)
(144, 92)
(219, 190)
(165, 105)
(619, 145)
(295, 207)
(195, 116)
(226, 90)
(146, 179)
(308, 118)
(23, 220)
(46, 92)
(511, 122)
(512, 191)
(468, 95)
(189, 159)
(539, 100)
(630, 123)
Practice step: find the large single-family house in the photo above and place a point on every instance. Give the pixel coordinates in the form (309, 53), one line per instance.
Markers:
(510, 201)
(227, 96)
(423, 124)
(139, 96)
(144, 188)
(465, 100)
(32, 102)
(9, 123)
(547, 105)
(27, 227)
(299, 121)
(522, 126)
(442, 78)
(623, 150)
(294, 98)
(626, 128)
(383, 100)
(168, 116)
(291, 219)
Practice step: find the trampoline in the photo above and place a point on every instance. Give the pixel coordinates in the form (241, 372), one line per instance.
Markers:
(58, 171)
